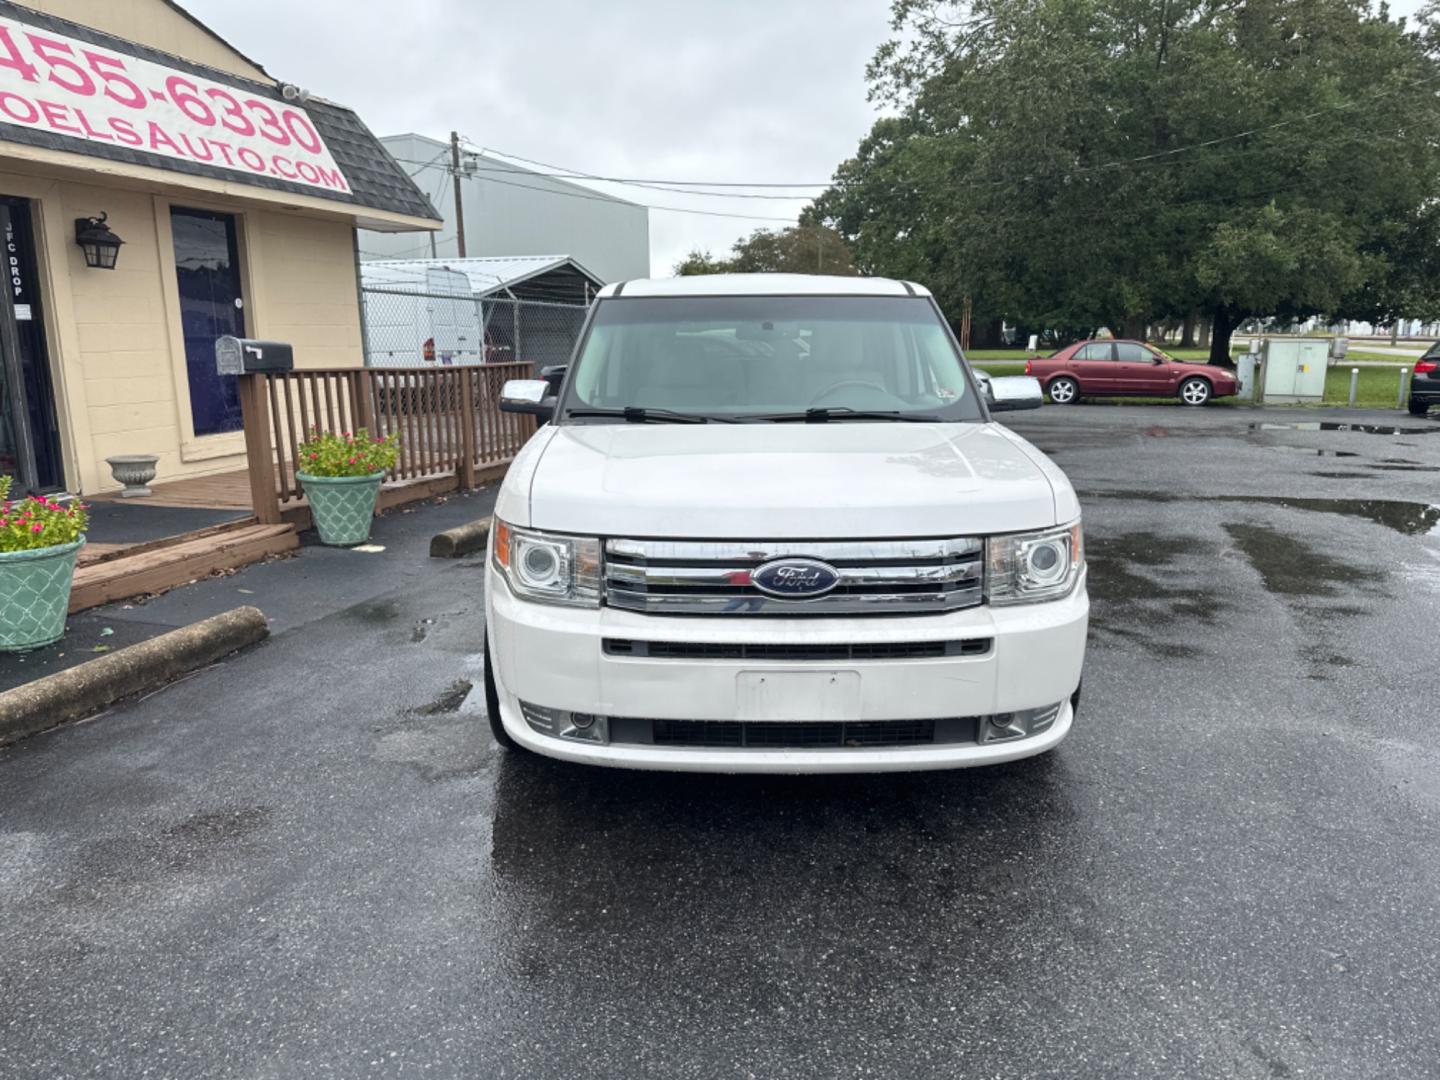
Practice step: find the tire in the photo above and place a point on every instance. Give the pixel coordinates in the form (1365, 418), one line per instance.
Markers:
(1063, 390)
(1195, 392)
(1418, 408)
(492, 704)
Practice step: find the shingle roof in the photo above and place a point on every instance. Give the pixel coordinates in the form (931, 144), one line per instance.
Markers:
(376, 181)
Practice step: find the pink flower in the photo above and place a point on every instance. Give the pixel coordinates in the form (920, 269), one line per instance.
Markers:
(352, 461)
(37, 527)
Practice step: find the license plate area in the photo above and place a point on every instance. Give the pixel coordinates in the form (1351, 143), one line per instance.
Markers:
(797, 695)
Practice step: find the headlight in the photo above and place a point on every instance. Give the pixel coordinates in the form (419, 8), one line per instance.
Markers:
(1027, 567)
(547, 567)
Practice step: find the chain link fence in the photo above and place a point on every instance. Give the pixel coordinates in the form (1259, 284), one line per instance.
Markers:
(409, 328)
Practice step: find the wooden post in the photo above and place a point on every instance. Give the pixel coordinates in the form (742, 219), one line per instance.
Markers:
(364, 403)
(467, 428)
(255, 414)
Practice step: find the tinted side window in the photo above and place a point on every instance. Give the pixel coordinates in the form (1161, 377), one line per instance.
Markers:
(1130, 353)
(1094, 351)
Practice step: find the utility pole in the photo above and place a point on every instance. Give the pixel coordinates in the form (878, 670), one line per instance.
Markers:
(459, 206)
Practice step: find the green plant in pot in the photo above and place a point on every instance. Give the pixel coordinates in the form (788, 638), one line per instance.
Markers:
(341, 476)
(39, 542)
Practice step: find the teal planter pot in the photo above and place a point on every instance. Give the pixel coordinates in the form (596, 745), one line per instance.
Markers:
(35, 595)
(343, 506)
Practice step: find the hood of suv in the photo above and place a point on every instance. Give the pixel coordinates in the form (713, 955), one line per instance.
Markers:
(781, 481)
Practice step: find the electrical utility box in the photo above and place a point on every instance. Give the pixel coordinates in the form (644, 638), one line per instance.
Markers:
(1246, 368)
(1294, 370)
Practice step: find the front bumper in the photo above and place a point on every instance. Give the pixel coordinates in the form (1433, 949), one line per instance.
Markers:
(554, 657)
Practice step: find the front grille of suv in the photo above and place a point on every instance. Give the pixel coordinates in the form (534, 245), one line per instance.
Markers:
(876, 577)
(816, 651)
(793, 734)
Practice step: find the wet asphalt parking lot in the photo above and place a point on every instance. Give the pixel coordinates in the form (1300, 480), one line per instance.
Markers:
(312, 861)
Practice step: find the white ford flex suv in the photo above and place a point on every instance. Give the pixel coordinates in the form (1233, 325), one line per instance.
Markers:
(770, 526)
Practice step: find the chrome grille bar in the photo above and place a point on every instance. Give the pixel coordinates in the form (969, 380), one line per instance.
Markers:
(838, 553)
(884, 577)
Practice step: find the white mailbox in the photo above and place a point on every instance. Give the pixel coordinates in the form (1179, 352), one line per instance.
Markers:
(1295, 369)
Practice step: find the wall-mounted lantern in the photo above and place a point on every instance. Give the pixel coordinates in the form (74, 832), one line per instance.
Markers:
(101, 246)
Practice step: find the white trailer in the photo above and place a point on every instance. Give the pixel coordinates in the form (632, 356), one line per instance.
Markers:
(419, 319)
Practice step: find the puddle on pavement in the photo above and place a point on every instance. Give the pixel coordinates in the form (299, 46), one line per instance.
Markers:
(1134, 606)
(374, 611)
(1407, 518)
(220, 826)
(1327, 425)
(1316, 453)
(449, 700)
(1323, 662)
(1291, 567)
(1342, 475)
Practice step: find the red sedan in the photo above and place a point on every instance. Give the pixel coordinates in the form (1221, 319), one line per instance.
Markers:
(1096, 368)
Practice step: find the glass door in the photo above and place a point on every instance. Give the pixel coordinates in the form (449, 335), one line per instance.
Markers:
(207, 267)
(29, 431)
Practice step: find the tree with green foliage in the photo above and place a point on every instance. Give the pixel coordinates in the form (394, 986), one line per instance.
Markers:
(801, 249)
(1071, 163)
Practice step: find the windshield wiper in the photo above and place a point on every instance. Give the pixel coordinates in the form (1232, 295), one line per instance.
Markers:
(844, 412)
(633, 414)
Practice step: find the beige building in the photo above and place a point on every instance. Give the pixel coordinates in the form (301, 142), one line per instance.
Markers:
(237, 201)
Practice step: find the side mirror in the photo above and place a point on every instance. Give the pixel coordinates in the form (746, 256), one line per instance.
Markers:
(554, 377)
(530, 396)
(1013, 392)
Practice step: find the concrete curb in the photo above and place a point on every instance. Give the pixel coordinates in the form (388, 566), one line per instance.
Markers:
(91, 686)
(462, 540)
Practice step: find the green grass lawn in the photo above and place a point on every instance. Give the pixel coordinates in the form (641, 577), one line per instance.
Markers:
(1377, 389)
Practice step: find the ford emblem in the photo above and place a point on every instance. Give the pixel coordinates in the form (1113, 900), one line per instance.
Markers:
(795, 579)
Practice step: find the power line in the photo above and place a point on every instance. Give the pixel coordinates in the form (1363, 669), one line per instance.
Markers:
(597, 197)
(601, 197)
(565, 172)
(1262, 128)
(517, 171)
(407, 252)
(652, 187)
(1153, 159)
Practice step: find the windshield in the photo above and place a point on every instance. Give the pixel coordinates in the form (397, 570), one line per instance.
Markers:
(756, 358)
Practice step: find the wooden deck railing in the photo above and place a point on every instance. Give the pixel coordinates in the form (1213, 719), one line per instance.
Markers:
(448, 420)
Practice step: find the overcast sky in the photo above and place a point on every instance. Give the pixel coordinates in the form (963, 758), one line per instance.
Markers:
(729, 90)
(768, 90)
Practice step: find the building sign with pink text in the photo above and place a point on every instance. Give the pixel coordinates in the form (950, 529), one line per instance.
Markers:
(50, 82)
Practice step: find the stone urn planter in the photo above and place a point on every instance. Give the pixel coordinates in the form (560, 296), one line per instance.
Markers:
(135, 471)
(342, 506)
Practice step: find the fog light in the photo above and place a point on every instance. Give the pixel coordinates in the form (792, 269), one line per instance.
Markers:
(1002, 727)
(1006, 727)
(561, 724)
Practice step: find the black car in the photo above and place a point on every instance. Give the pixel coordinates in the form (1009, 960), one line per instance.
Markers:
(1425, 383)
